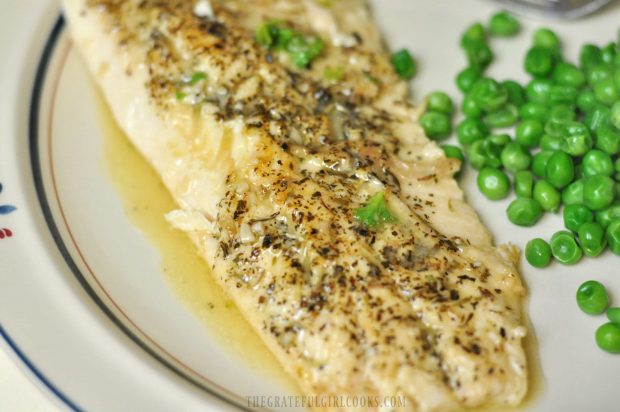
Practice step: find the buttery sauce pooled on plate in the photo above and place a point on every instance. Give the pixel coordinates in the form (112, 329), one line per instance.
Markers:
(146, 201)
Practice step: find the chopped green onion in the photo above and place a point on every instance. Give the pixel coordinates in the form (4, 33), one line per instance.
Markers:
(369, 77)
(326, 3)
(334, 74)
(375, 212)
(266, 33)
(197, 77)
(302, 49)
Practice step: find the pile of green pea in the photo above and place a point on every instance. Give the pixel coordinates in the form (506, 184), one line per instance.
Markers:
(566, 145)
(592, 298)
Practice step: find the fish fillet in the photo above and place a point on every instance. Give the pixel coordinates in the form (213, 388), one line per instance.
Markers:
(268, 164)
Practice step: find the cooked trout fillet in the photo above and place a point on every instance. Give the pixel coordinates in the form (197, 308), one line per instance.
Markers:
(268, 164)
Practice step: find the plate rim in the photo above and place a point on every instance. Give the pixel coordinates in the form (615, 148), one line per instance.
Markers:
(34, 106)
(35, 166)
(36, 371)
(24, 165)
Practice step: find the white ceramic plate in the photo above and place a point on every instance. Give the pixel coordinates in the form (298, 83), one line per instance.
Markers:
(83, 300)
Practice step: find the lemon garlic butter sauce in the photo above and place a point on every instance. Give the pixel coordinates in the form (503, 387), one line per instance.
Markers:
(146, 201)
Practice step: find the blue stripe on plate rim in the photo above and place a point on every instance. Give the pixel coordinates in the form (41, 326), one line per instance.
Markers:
(35, 106)
(36, 93)
(48, 384)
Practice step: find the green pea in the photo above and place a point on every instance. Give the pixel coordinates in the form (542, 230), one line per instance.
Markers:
(617, 61)
(599, 116)
(470, 108)
(613, 236)
(477, 154)
(575, 216)
(524, 183)
(528, 133)
(608, 140)
(467, 78)
(573, 193)
(608, 53)
(577, 139)
(539, 61)
(515, 158)
(484, 153)
(613, 314)
(592, 239)
(617, 165)
(538, 253)
(440, 102)
(493, 183)
(474, 33)
(608, 337)
(615, 115)
(559, 116)
(555, 129)
(586, 100)
(516, 93)
(567, 74)
(563, 94)
(404, 64)
(598, 192)
(562, 113)
(548, 142)
(547, 196)
(539, 163)
(436, 125)
(489, 95)
(500, 140)
(597, 162)
(470, 130)
(605, 92)
(589, 56)
(478, 54)
(565, 249)
(524, 211)
(592, 297)
(504, 24)
(560, 170)
(504, 117)
(533, 111)
(598, 73)
(547, 38)
(617, 78)
(606, 216)
(538, 90)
